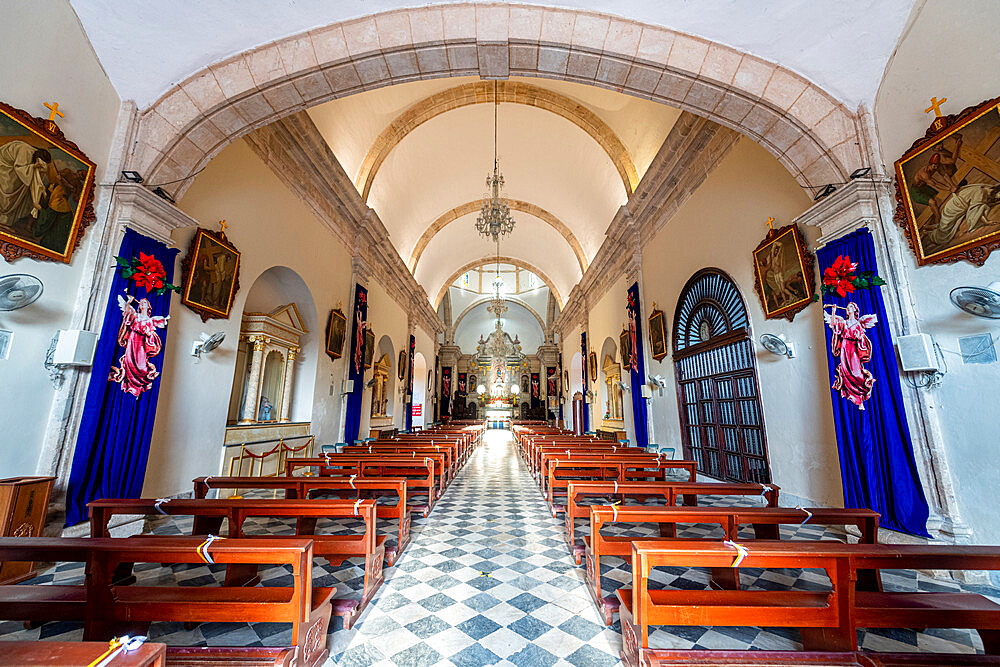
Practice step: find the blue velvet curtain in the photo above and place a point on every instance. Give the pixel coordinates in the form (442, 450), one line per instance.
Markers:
(113, 443)
(356, 365)
(634, 311)
(876, 456)
(409, 384)
(586, 384)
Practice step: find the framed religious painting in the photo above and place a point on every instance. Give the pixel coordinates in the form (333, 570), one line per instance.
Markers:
(657, 334)
(783, 273)
(369, 346)
(401, 365)
(336, 331)
(625, 345)
(46, 189)
(948, 188)
(592, 362)
(211, 272)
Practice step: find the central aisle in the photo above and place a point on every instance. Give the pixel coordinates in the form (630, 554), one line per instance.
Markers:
(486, 580)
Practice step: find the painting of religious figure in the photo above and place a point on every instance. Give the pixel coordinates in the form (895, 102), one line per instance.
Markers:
(657, 334)
(369, 346)
(401, 365)
(336, 331)
(592, 363)
(211, 275)
(625, 345)
(783, 273)
(948, 188)
(46, 189)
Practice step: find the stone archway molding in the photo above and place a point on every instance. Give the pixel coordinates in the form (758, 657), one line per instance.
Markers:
(808, 130)
(454, 214)
(492, 259)
(513, 299)
(508, 92)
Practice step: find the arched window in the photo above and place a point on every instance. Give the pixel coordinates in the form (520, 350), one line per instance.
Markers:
(722, 424)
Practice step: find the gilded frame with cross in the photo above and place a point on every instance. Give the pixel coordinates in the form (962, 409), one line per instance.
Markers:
(48, 185)
(948, 188)
(783, 273)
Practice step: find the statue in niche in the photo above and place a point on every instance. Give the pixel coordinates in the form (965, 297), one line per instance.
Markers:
(266, 411)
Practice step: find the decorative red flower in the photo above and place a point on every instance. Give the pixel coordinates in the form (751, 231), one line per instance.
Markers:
(839, 277)
(149, 273)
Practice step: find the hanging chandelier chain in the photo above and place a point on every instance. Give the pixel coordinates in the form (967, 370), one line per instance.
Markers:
(494, 220)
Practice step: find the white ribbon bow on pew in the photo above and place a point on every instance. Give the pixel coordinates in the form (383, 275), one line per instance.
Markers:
(159, 502)
(203, 549)
(115, 646)
(356, 505)
(351, 480)
(809, 514)
(741, 552)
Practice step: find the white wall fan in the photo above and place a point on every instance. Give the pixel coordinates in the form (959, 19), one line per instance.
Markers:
(18, 290)
(978, 301)
(207, 343)
(778, 345)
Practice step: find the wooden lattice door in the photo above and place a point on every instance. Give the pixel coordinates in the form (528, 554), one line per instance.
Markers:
(721, 420)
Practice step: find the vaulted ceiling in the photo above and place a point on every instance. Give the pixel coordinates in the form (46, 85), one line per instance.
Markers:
(420, 152)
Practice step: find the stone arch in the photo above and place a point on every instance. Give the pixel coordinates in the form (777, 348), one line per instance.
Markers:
(808, 130)
(510, 92)
(454, 214)
(512, 299)
(521, 264)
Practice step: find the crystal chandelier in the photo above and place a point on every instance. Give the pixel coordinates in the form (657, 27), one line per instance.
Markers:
(494, 221)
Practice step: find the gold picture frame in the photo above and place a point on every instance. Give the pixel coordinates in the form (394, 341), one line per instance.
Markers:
(948, 188)
(401, 370)
(657, 334)
(336, 332)
(592, 362)
(625, 347)
(369, 347)
(211, 272)
(45, 219)
(783, 273)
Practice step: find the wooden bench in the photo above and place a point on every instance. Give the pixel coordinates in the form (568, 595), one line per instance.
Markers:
(74, 654)
(209, 515)
(610, 467)
(108, 609)
(421, 474)
(687, 492)
(765, 521)
(828, 620)
(448, 469)
(305, 487)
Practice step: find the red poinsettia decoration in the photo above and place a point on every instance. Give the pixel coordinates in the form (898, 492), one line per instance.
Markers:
(149, 273)
(839, 276)
(146, 271)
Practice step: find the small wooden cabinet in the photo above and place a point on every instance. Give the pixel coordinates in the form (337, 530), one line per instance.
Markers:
(24, 502)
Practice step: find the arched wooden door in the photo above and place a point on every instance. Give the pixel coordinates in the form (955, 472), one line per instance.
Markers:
(722, 424)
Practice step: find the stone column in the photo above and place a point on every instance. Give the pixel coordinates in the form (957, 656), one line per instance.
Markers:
(253, 381)
(287, 381)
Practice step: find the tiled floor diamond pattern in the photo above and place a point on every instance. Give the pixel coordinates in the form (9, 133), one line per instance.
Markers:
(488, 580)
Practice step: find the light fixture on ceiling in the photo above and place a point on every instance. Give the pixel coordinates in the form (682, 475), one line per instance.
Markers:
(494, 221)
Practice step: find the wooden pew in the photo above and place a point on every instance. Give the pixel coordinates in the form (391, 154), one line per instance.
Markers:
(209, 515)
(421, 475)
(688, 492)
(73, 654)
(110, 610)
(304, 487)
(765, 521)
(827, 620)
(611, 467)
(390, 447)
(720, 658)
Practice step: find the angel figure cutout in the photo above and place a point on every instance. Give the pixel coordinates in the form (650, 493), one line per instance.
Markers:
(851, 345)
(137, 335)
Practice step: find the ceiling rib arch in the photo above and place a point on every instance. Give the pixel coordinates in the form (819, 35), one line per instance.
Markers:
(492, 259)
(475, 304)
(454, 214)
(481, 92)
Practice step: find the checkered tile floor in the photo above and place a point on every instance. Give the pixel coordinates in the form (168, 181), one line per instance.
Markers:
(487, 579)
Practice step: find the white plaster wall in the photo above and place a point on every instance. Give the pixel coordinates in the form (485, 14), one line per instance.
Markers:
(950, 51)
(270, 227)
(425, 346)
(733, 204)
(38, 71)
